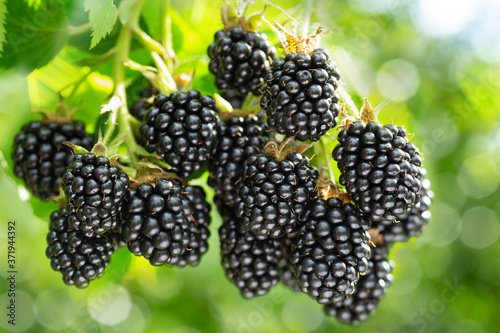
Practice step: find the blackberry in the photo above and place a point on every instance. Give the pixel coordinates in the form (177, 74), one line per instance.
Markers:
(231, 95)
(254, 263)
(181, 128)
(300, 96)
(331, 251)
(411, 223)
(199, 232)
(79, 258)
(274, 196)
(380, 168)
(239, 138)
(40, 158)
(95, 191)
(164, 222)
(139, 108)
(288, 278)
(370, 290)
(239, 60)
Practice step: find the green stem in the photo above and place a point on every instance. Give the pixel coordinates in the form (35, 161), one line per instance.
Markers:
(166, 33)
(149, 42)
(120, 114)
(163, 72)
(76, 30)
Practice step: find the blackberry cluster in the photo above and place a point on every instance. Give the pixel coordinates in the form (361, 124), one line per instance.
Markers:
(79, 258)
(274, 196)
(331, 251)
(300, 96)
(380, 168)
(40, 158)
(254, 263)
(181, 128)
(239, 138)
(370, 290)
(411, 223)
(95, 191)
(166, 223)
(139, 108)
(239, 60)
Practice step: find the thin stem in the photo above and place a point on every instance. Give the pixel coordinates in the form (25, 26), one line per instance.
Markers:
(149, 42)
(76, 30)
(166, 78)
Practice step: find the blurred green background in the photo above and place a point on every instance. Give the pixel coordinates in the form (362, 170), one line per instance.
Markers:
(438, 61)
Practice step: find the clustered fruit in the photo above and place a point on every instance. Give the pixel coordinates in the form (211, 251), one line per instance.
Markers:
(282, 220)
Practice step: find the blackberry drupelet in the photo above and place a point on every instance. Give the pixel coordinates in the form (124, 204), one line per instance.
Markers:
(300, 96)
(411, 223)
(181, 128)
(380, 168)
(254, 263)
(79, 258)
(162, 223)
(95, 191)
(40, 158)
(370, 290)
(239, 60)
(274, 196)
(331, 251)
(238, 139)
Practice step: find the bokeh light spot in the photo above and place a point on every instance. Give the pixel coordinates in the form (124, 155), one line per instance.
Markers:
(480, 227)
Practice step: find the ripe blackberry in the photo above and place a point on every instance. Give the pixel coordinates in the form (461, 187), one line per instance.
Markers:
(331, 251)
(411, 223)
(370, 290)
(199, 232)
(239, 138)
(181, 128)
(139, 108)
(300, 95)
(40, 158)
(231, 95)
(79, 258)
(380, 168)
(254, 263)
(288, 278)
(164, 222)
(239, 60)
(274, 196)
(95, 192)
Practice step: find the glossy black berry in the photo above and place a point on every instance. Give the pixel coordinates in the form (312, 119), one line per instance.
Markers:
(274, 196)
(239, 138)
(370, 290)
(253, 263)
(166, 223)
(380, 168)
(40, 157)
(95, 191)
(331, 251)
(411, 223)
(300, 96)
(181, 128)
(239, 60)
(79, 258)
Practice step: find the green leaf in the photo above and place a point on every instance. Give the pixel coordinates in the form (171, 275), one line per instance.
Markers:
(102, 17)
(33, 36)
(3, 12)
